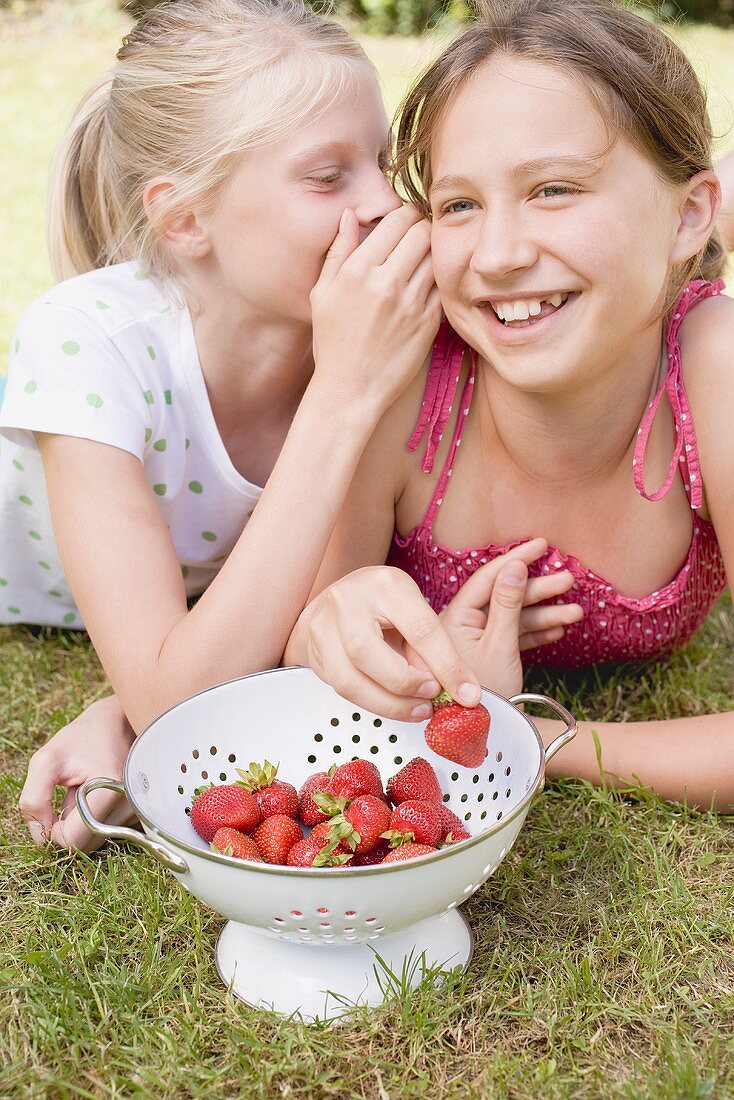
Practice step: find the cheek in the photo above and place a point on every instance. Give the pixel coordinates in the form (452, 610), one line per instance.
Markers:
(451, 254)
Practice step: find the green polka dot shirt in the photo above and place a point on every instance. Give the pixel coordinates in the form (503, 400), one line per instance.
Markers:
(111, 356)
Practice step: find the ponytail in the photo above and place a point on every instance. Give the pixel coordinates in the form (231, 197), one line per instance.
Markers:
(83, 214)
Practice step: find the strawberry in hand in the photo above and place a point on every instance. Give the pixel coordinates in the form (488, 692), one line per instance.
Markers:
(458, 733)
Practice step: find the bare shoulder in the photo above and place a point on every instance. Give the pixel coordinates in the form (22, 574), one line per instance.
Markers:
(707, 358)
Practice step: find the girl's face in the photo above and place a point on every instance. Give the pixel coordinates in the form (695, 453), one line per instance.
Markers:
(280, 211)
(551, 241)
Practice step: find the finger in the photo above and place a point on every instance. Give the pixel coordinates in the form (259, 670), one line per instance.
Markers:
(36, 798)
(548, 587)
(541, 637)
(352, 684)
(384, 238)
(343, 245)
(505, 607)
(422, 282)
(409, 253)
(549, 615)
(70, 831)
(422, 629)
(369, 653)
(477, 590)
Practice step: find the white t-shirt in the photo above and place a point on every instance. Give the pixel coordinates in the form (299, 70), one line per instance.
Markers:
(111, 356)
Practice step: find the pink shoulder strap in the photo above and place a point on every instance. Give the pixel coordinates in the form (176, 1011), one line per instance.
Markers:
(685, 452)
(438, 402)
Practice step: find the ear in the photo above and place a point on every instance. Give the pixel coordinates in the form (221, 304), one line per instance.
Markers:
(698, 209)
(183, 231)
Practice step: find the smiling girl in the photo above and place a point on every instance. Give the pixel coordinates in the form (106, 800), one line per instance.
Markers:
(581, 389)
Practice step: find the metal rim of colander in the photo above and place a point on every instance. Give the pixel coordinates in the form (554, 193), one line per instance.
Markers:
(327, 872)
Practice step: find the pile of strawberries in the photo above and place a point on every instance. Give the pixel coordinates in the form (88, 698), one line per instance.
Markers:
(353, 821)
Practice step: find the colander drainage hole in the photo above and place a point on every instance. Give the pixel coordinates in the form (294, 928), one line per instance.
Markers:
(508, 792)
(278, 920)
(324, 911)
(302, 929)
(398, 759)
(213, 750)
(318, 737)
(205, 775)
(499, 757)
(480, 796)
(483, 815)
(499, 815)
(335, 721)
(393, 738)
(350, 913)
(184, 769)
(464, 798)
(223, 777)
(377, 722)
(454, 776)
(195, 754)
(312, 759)
(180, 790)
(475, 779)
(337, 748)
(296, 913)
(231, 758)
(490, 777)
(495, 796)
(508, 769)
(356, 716)
(370, 920)
(379, 928)
(324, 924)
(355, 738)
(374, 750)
(446, 797)
(347, 930)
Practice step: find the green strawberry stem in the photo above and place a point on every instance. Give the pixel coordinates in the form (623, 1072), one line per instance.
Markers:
(442, 698)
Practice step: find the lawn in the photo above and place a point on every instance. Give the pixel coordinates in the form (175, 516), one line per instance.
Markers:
(604, 960)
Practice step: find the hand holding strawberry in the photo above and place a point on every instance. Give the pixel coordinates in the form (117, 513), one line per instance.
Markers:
(458, 733)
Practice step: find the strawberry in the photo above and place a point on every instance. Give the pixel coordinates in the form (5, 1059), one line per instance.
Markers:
(448, 820)
(363, 823)
(218, 807)
(458, 733)
(375, 856)
(417, 780)
(454, 836)
(354, 778)
(414, 822)
(324, 831)
(316, 852)
(408, 851)
(232, 843)
(275, 836)
(273, 796)
(308, 811)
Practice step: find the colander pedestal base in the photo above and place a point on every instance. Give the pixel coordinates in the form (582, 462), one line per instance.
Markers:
(324, 982)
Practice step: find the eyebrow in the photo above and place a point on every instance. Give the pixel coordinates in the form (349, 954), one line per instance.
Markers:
(578, 166)
(330, 147)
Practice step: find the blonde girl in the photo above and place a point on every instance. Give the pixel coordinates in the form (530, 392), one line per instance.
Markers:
(581, 389)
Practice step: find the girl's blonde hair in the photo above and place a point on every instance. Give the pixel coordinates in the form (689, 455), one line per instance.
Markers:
(197, 83)
(643, 84)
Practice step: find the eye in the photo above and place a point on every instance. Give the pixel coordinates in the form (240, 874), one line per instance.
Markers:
(326, 179)
(557, 190)
(459, 207)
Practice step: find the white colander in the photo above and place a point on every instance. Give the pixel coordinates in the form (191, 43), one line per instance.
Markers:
(314, 940)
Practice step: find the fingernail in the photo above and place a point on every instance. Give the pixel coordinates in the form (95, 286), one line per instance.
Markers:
(421, 712)
(512, 574)
(468, 694)
(429, 690)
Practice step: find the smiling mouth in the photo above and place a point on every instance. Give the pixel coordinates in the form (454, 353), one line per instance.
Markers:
(523, 312)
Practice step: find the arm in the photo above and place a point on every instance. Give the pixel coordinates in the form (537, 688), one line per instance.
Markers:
(683, 759)
(375, 313)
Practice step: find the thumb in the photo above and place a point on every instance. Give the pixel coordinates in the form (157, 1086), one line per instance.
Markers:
(343, 245)
(505, 604)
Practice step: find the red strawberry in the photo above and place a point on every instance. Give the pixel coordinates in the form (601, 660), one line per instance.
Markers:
(458, 733)
(407, 851)
(324, 831)
(448, 820)
(315, 852)
(275, 837)
(308, 811)
(354, 778)
(454, 836)
(414, 822)
(417, 780)
(232, 843)
(230, 805)
(273, 796)
(375, 856)
(363, 823)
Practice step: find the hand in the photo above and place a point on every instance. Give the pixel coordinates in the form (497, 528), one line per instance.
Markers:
(376, 310)
(494, 616)
(94, 744)
(353, 636)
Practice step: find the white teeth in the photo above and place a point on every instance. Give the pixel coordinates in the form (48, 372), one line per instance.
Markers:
(521, 310)
(534, 307)
(555, 299)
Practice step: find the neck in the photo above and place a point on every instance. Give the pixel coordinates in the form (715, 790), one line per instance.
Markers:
(565, 437)
(251, 363)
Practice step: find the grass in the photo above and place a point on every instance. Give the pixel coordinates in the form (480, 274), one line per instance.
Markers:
(604, 964)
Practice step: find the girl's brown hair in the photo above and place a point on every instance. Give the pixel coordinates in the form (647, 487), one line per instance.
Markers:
(197, 83)
(641, 81)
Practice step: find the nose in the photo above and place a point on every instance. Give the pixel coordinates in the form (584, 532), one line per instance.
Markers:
(377, 199)
(503, 246)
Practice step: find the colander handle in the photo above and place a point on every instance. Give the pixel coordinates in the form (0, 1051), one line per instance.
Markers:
(170, 860)
(571, 726)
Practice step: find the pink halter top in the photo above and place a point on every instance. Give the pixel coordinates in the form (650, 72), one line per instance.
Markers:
(614, 627)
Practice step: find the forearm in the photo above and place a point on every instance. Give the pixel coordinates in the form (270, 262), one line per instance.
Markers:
(242, 622)
(682, 759)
